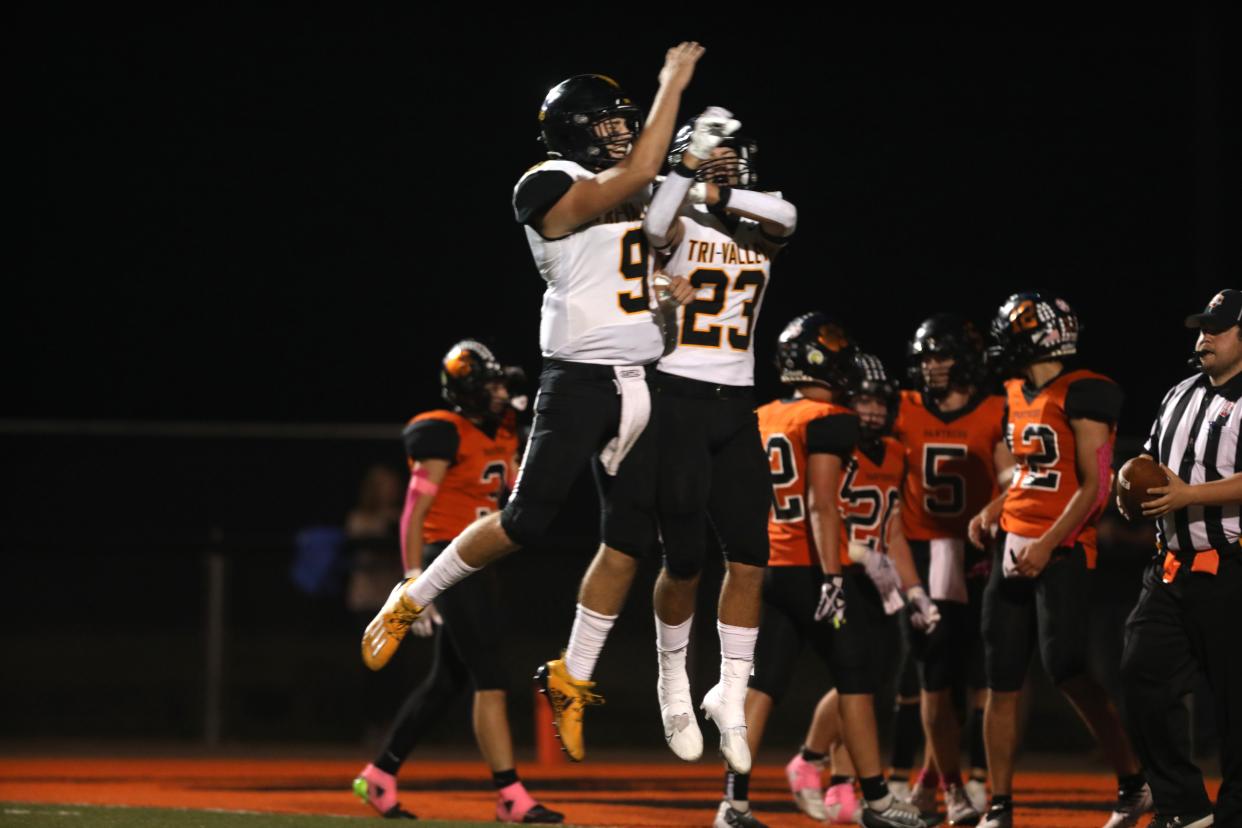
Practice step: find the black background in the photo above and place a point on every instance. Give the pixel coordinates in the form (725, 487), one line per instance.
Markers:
(290, 214)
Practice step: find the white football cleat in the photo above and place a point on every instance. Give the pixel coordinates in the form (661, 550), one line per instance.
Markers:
(730, 717)
(681, 727)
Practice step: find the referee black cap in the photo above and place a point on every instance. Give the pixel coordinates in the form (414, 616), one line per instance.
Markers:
(1224, 310)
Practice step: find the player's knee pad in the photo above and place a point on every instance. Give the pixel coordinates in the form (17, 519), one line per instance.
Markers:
(526, 521)
(774, 686)
(685, 544)
(682, 567)
(751, 551)
(1064, 668)
(1064, 660)
(628, 530)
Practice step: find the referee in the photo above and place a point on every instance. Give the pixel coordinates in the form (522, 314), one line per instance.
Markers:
(1185, 621)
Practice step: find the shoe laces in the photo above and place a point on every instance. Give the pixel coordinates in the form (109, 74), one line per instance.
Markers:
(573, 702)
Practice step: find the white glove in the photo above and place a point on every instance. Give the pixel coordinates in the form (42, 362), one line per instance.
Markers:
(710, 128)
(698, 193)
(425, 626)
(832, 600)
(924, 615)
(882, 573)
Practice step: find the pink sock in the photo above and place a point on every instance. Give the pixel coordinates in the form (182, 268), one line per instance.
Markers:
(929, 778)
(513, 802)
(381, 788)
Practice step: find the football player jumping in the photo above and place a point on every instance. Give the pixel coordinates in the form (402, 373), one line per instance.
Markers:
(461, 464)
(582, 212)
(716, 235)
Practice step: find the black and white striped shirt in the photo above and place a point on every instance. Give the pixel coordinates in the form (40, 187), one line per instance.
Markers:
(1196, 435)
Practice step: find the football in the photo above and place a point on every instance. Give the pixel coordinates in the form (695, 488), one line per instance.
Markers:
(1137, 476)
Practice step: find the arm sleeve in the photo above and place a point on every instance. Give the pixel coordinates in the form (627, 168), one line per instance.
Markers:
(664, 207)
(835, 434)
(538, 194)
(431, 440)
(1093, 399)
(766, 207)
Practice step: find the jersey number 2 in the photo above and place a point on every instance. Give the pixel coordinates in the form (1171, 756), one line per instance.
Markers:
(1036, 474)
(788, 509)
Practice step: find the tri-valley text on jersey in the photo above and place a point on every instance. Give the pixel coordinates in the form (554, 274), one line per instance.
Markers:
(725, 253)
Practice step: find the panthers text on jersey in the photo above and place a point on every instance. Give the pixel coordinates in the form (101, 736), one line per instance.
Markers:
(728, 259)
(1039, 434)
(870, 496)
(596, 307)
(792, 430)
(481, 466)
(951, 462)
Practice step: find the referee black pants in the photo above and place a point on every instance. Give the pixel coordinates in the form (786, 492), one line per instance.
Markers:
(1176, 632)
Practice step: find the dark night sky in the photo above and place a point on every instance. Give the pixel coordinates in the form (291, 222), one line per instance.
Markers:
(290, 216)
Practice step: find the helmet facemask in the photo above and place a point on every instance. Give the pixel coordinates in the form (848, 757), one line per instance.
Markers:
(606, 142)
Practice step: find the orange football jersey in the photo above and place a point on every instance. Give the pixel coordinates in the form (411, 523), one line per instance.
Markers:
(480, 468)
(870, 498)
(950, 458)
(1039, 435)
(791, 431)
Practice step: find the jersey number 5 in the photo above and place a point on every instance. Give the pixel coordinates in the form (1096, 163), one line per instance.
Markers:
(949, 495)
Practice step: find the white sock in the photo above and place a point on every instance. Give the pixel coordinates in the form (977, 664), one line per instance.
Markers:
(671, 645)
(447, 569)
(737, 642)
(670, 638)
(586, 640)
(737, 655)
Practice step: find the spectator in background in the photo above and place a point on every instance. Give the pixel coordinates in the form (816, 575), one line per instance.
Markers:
(373, 552)
(373, 541)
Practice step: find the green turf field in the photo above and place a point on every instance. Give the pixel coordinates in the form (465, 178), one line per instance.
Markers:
(89, 816)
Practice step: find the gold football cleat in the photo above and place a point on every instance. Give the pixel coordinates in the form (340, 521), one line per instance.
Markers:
(383, 635)
(567, 696)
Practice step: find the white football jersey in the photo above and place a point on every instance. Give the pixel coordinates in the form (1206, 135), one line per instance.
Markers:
(715, 340)
(596, 307)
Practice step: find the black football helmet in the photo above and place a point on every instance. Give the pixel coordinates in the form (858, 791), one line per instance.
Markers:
(869, 379)
(737, 172)
(950, 336)
(465, 372)
(570, 112)
(1031, 326)
(814, 349)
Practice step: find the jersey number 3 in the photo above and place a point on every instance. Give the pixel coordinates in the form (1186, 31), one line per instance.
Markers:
(492, 471)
